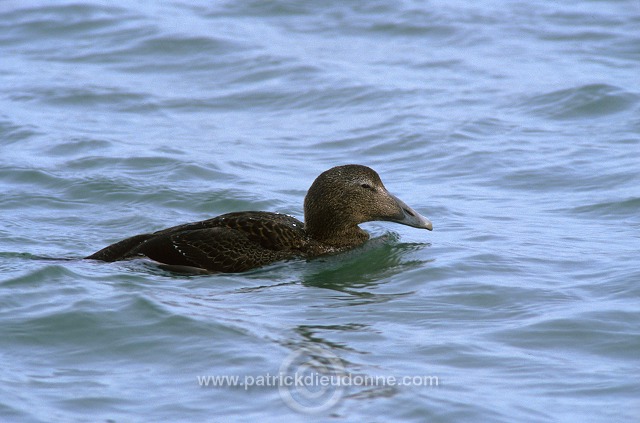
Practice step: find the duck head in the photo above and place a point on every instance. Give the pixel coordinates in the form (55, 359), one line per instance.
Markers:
(345, 196)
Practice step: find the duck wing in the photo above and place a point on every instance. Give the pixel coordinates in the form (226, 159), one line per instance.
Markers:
(233, 242)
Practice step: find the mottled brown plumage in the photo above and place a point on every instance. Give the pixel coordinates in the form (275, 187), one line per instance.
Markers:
(338, 200)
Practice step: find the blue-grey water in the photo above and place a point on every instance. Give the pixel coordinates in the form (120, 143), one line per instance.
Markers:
(514, 126)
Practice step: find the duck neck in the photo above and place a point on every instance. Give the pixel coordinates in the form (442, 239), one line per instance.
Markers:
(337, 236)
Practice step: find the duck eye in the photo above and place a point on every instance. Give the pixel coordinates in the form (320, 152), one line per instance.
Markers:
(366, 186)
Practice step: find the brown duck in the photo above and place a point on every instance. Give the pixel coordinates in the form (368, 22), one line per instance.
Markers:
(338, 200)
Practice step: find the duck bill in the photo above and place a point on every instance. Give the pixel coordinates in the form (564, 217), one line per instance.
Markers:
(410, 217)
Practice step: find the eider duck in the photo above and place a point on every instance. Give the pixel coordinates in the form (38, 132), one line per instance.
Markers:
(338, 200)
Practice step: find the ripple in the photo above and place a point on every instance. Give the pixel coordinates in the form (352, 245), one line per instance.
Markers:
(60, 20)
(607, 333)
(94, 96)
(10, 133)
(16, 177)
(585, 102)
(625, 208)
(47, 273)
(76, 147)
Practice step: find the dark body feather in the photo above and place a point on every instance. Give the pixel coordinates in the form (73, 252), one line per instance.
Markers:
(232, 242)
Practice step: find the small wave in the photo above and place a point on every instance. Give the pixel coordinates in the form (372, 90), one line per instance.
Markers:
(584, 102)
(626, 208)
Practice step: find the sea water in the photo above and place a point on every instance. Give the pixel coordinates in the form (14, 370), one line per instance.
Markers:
(514, 126)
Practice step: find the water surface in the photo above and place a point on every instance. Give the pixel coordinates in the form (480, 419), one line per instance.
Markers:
(514, 127)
